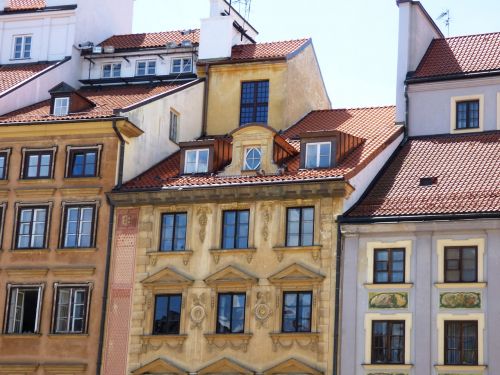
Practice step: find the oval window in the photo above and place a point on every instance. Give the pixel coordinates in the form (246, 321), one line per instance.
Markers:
(252, 158)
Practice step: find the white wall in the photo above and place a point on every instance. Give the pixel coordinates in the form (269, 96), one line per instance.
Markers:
(430, 104)
(154, 120)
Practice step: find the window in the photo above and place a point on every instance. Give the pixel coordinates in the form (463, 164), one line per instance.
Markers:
(61, 106)
(388, 342)
(460, 264)
(23, 309)
(31, 227)
(254, 102)
(22, 47)
(4, 159)
(389, 266)
(300, 226)
(83, 163)
(111, 70)
(37, 164)
(318, 155)
(182, 65)
(146, 68)
(231, 313)
(235, 229)
(468, 114)
(71, 309)
(173, 232)
(461, 342)
(196, 161)
(167, 319)
(174, 126)
(253, 156)
(297, 309)
(78, 226)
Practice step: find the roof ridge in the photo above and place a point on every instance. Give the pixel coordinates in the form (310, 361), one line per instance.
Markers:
(152, 32)
(276, 41)
(468, 35)
(353, 108)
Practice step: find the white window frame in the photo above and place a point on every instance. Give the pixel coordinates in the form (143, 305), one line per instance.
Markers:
(65, 221)
(31, 236)
(318, 146)
(173, 133)
(61, 106)
(112, 67)
(197, 162)
(10, 321)
(70, 324)
(23, 47)
(183, 65)
(246, 167)
(148, 64)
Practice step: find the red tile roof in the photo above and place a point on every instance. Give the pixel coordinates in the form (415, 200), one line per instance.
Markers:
(266, 51)
(467, 168)
(461, 55)
(25, 4)
(12, 75)
(375, 125)
(106, 99)
(151, 40)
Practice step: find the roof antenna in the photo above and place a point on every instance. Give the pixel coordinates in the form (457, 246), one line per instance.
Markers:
(446, 17)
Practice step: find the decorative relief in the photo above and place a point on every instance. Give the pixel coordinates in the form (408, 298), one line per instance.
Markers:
(155, 343)
(228, 341)
(307, 341)
(388, 300)
(262, 309)
(198, 311)
(203, 213)
(460, 300)
(266, 219)
(153, 259)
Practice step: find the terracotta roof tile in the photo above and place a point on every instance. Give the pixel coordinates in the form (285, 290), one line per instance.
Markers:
(460, 55)
(467, 168)
(12, 75)
(25, 4)
(264, 51)
(150, 40)
(376, 125)
(106, 100)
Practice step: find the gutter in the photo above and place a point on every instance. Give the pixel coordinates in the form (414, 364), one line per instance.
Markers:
(451, 77)
(336, 321)
(418, 218)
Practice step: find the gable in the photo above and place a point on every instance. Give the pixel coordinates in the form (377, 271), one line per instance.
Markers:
(167, 276)
(230, 275)
(292, 366)
(159, 366)
(225, 366)
(296, 273)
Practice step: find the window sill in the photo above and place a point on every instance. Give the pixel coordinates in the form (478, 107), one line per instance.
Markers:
(460, 285)
(305, 340)
(314, 250)
(68, 336)
(168, 342)
(21, 335)
(235, 341)
(466, 130)
(77, 250)
(217, 253)
(389, 286)
(387, 366)
(29, 251)
(460, 368)
(153, 256)
(22, 59)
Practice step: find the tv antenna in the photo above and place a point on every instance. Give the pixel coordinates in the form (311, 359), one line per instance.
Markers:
(445, 16)
(242, 6)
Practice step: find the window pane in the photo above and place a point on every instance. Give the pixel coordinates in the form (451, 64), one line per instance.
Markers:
(324, 155)
(311, 155)
(224, 313)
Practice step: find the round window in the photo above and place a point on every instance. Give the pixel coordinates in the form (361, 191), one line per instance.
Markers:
(252, 158)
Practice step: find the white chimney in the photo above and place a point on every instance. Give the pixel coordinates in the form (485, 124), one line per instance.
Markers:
(416, 32)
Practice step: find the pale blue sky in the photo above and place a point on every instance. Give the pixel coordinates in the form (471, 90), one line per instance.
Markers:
(355, 40)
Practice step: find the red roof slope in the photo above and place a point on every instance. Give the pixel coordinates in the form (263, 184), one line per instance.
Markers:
(375, 125)
(467, 168)
(25, 4)
(106, 100)
(12, 75)
(264, 51)
(461, 55)
(150, 40)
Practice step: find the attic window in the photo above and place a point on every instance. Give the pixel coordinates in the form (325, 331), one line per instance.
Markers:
(253, 156)
(428, 181)
(196, 161)
(61, 106)
(318, 155)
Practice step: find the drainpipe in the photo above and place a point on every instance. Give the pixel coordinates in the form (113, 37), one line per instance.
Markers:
(108, 252)
(336, 322)
(205, 101)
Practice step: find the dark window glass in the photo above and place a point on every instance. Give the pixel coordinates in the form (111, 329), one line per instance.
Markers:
(24, 306)
(300, 226)
(235, 229)
(38, 164)
(460, 342)
(297, 308)
(388, 341)
(31, 228)
(3, 165)
(83, 163)
(167, 314)
(468, 114)
(254, 102)
(71, 310)
(460, 264)
(78, 226)
(173, 232)
(231, 313)
(174, 125)
(389, 266)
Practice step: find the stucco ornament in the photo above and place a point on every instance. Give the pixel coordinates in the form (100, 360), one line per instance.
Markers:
(198, 311)
(266, 219)
(460, 300)
(262, 309)
(203, 213)
(388, 300)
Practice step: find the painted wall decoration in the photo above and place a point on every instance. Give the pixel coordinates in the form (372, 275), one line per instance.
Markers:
(460, 300)
(388, 300)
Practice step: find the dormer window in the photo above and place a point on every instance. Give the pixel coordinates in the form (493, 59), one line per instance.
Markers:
(468, 114)
(61, 106)
(113, 70)
(184, 65)
(146, 68)
(22, 47)
(318, 155)
(196, 161)
(253, 158)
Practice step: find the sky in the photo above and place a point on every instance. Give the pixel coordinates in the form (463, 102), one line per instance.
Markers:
(355, 40)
